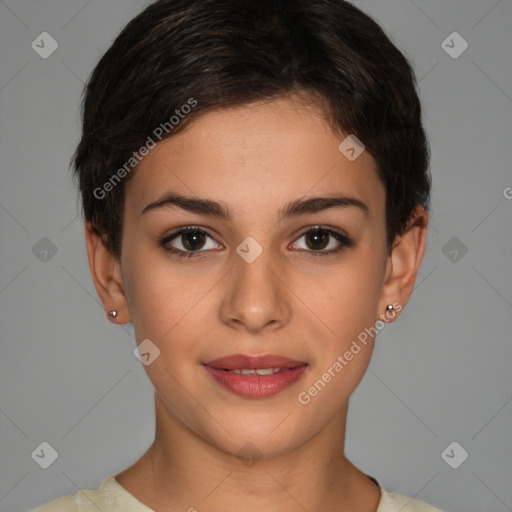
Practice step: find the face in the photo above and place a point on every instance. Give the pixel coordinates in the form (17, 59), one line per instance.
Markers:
(264, 268)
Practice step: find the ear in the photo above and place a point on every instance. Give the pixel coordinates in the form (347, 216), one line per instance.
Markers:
(107, 276)
(403, 264)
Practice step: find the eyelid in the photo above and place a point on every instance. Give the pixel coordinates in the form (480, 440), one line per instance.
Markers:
(182, 230)
(343, 239)
(323, 227)
(191, 227)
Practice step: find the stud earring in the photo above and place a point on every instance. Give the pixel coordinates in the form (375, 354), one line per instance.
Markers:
(112, 313)
(390, 307)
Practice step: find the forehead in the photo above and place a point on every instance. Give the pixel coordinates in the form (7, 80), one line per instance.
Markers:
(255, 154)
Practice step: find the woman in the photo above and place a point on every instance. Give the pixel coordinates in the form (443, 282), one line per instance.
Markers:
(254, 179)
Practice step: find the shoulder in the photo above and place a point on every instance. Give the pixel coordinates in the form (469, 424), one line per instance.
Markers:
(64, 504)
(109, 496)
(85, 500)
(393, 502)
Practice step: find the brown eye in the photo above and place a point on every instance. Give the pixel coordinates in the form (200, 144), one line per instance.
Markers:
(316, 240)
(189, 241)
(193, 240)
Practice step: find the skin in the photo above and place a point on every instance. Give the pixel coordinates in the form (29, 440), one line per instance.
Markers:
(254, 159)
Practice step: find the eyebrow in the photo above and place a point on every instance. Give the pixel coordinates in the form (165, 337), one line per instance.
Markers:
(222, 211)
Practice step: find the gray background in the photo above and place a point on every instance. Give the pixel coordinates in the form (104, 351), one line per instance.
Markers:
(440, 374)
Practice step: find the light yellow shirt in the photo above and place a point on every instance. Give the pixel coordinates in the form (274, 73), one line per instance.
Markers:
(112, 497)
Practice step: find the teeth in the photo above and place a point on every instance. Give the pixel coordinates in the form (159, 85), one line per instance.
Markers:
(259, 371)
(267, 371)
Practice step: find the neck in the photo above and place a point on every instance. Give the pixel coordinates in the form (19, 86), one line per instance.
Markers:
(183, 471)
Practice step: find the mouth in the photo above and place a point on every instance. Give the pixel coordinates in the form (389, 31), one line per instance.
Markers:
(255, 376)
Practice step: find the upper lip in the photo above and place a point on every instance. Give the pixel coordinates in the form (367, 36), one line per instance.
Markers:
(241, 361)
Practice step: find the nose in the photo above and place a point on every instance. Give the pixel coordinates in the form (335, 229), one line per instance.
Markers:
(256, 297)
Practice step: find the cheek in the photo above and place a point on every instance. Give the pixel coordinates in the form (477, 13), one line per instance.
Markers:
(166, 301)
(347, 298)
(152, 294)
(347, 305)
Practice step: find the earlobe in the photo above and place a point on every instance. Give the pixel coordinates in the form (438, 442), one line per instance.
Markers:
(107, 277)
(404, 262)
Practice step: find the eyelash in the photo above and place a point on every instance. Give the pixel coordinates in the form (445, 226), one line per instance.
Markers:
(343, 240)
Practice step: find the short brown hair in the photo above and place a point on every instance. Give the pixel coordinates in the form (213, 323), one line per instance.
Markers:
(231, 52)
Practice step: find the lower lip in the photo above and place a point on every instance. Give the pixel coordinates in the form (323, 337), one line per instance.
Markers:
(257, 386)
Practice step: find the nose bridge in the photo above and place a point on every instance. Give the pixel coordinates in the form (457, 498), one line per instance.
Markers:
(256, 296)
